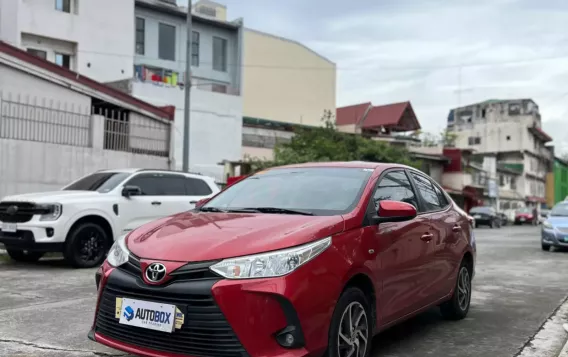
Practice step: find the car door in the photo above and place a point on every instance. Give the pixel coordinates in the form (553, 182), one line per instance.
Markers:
(401, 251)
(438, 259)
(153, 202)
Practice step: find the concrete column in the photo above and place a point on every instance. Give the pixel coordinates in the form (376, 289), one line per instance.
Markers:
(97, 131)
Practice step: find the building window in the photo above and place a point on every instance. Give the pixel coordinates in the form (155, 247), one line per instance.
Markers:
(63, 60)
(501, 180)
(37, 53)
(474, 140)
(140, 33)
(219, 54)
(483, 113)
(167, 42)
(513, 183)
(195, 48)
(63, 5)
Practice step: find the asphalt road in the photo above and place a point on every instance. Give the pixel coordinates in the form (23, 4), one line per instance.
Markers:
(46, 309)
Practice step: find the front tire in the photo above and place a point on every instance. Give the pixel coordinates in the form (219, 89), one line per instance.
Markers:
(24, 255)
(351, 332)
(545, 247)
(458, 306)
(86, 246)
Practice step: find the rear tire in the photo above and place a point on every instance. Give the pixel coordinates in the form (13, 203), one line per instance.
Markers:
(346, 334)
(458, 306)
(86, 246)
(545, 247)
(24, 255)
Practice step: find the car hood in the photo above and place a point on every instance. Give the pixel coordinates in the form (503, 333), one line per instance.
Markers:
(200, 236)
(558, 221)
(52, 197)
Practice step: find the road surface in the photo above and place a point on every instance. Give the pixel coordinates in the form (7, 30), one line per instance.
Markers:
(46, 309)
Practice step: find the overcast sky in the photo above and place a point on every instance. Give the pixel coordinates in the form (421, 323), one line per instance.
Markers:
(397, 50)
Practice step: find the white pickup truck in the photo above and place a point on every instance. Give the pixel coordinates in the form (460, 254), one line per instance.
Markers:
(85, 217)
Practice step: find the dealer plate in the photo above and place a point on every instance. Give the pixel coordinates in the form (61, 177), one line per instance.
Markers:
(148, 315)
(9, 227)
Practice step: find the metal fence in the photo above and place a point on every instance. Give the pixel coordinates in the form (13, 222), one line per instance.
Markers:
(25, 118)
(48, 121)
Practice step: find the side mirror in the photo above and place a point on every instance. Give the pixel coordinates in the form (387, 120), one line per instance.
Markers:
(128, 191)
(201, 202)
(394, 211)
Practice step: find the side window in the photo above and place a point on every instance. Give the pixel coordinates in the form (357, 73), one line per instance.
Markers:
(395, 186)
(427, 190)
(159, 184)
(197, 187)
(443, 199)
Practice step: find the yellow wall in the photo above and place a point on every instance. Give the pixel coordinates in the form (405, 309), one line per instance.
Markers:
(274, 88)
(550, 189)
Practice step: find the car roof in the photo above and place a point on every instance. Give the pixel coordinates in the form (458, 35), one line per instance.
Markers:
(347, 164)
(135, 170)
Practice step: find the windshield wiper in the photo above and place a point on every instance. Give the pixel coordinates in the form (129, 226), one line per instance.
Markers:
(278, 210)
(211, 209)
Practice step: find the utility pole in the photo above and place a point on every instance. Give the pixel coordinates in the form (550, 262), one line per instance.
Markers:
(187, 109)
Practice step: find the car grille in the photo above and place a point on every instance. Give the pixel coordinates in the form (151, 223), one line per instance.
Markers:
(24, 213)
(194, 271)
(205, 333)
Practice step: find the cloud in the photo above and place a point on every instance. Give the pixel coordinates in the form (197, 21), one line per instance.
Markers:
(436, 53)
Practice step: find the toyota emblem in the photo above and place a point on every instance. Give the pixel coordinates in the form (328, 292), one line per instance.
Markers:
(12, 210)
(155, 272)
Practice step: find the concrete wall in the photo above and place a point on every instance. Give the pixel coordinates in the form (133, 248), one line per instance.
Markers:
(105, 39)
(27, 166)
(285, 81)
(206, 34)
(215, 126)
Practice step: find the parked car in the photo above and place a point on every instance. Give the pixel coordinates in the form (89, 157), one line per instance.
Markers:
(286, 262)
(83, 219)
(486, 216)
(524, 215)
(554, 231)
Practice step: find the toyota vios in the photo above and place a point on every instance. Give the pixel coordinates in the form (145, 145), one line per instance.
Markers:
(293, 261)
(554, 231)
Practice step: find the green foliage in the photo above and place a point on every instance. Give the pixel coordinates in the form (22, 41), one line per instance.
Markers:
(326, 143)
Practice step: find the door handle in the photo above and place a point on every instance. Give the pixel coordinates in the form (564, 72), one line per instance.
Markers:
(427, 237)
(156, 203)
(457, 228)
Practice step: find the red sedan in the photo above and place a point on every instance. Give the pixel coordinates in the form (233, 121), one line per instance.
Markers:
(294, 261)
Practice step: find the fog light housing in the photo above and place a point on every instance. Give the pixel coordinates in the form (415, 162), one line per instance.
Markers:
(49, 232)
(290, 337)
(97, 279)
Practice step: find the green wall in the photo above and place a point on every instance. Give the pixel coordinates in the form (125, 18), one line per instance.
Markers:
(560, 180)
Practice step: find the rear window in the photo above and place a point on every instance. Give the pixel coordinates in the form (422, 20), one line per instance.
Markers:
(486, 210)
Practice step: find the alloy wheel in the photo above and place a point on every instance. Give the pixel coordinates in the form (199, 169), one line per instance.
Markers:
(464, 288)
(91, 246)
(353, 334)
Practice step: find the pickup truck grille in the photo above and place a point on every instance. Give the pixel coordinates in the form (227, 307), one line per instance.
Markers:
(18, 212)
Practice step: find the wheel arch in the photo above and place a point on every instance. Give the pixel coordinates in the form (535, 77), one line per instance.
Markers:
(97, 219)
(364, 282)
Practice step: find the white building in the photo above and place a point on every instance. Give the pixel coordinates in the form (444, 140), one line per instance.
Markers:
(509, 131)
(139, 47)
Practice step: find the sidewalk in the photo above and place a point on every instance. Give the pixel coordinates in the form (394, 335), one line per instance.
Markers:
(564, 352)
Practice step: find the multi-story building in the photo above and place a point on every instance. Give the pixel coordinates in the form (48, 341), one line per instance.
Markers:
(139, 47)
(509, 131)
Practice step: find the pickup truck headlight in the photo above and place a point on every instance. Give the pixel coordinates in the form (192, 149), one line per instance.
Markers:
(272, 264)
(52, 211)
(118, 253)
(547, 225)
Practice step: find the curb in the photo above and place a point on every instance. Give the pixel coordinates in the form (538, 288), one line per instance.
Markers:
(564, 351)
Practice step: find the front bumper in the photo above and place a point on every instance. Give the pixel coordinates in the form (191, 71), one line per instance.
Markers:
(35, 236)
(227, 318)
(554, 237)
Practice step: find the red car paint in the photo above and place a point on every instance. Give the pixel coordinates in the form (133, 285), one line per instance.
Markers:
(412, 265)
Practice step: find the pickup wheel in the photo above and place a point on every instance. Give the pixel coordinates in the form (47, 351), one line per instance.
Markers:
(86, 245)
(24, 255)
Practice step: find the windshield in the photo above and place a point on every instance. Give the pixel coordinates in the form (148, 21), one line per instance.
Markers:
(101, 182)
(560, 210)
(319, 191)
(486, 210)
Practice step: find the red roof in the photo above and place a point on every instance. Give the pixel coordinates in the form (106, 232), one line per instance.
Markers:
(389, 115)
(86, 81)
(351, 114)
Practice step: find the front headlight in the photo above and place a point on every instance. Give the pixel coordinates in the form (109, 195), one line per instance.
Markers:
(547, 225)
(272, 264)
(118, 253)
(52, 211)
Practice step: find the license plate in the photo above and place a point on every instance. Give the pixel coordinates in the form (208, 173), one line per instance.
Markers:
(522, 219)
(148, 315)
(9, 227)
(477, 216)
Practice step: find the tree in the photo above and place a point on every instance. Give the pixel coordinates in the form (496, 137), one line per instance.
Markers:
(326, 143)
